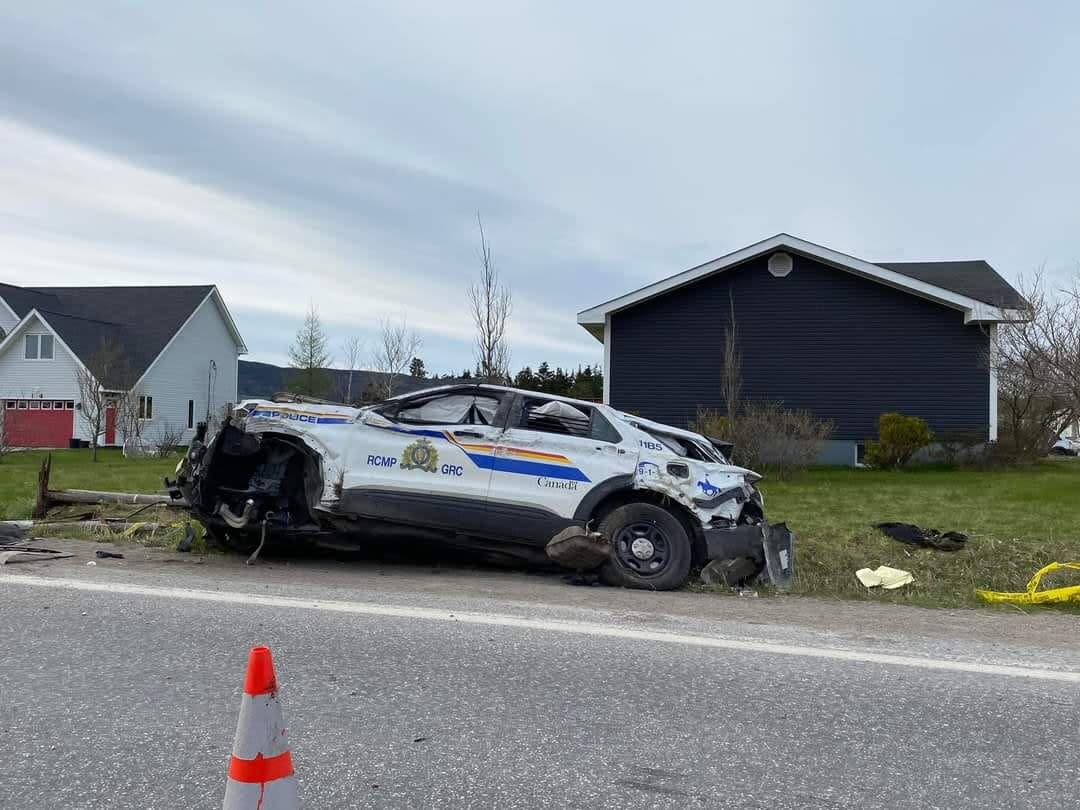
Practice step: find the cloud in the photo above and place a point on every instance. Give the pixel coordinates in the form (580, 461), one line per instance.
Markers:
(341, 156)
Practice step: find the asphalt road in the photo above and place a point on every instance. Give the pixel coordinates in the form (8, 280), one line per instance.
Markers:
(466, 688)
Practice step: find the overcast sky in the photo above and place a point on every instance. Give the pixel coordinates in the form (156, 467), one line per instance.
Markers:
(338, 152)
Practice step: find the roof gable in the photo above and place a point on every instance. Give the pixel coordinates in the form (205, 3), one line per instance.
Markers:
(973, 309)
(34, 321)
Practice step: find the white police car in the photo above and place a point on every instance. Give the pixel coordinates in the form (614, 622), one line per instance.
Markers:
(497, 468)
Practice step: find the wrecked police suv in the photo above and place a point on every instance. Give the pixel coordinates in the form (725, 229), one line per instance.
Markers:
(492, 468)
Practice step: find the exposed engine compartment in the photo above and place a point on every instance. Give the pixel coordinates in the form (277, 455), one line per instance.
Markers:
(242, 485)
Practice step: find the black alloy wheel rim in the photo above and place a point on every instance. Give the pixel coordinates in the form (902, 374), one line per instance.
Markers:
(647, 537)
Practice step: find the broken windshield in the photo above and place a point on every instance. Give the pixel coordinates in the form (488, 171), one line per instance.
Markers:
(685, 446)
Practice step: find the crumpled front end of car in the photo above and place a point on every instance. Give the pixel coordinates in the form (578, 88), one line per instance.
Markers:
(264, 472)
(726, 502)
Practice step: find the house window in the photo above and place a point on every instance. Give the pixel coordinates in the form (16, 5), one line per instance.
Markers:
(46, 405)
(146, 407)
(12, 405)
(190, 413)
(58, 405)
(38, 347)
(34, 405)
(22, 404)
(69, 405)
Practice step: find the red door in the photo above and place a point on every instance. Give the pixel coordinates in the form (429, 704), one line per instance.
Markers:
(110, 425)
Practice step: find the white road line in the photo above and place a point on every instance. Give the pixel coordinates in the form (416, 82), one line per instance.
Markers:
(550, 625)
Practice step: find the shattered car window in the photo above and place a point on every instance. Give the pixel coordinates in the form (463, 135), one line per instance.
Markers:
(555, 416)
(552, 416)
(455, 409)
(485, 410)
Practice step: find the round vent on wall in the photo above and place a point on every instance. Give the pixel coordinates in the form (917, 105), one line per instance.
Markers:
(780, 264)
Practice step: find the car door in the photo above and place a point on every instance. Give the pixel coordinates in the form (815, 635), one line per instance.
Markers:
(551, 455)
(422, 460)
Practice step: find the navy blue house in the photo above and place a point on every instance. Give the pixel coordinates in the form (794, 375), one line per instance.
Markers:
(844, 338)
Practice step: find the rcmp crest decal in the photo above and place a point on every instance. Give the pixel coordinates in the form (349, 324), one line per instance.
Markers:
(420, 455)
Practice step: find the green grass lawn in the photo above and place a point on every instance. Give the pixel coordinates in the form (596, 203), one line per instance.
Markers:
(73, 469)
(1018, 520)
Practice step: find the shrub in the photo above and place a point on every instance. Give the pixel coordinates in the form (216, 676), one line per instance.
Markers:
(713, 424)
(768, 437)
(899, 437)
(168, 440)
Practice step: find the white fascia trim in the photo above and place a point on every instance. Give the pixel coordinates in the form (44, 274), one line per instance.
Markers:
(974, 311)
(993, 383)
(15, 330)
(21, 326)
(607, 359)
(241, 347)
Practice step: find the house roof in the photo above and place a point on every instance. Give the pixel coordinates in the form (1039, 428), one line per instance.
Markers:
(974, 278)
(141, 320)
(973, 287)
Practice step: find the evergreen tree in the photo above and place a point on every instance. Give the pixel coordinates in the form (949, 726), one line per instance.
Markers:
(308, 357)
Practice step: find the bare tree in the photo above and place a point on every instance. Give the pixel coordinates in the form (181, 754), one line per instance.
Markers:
(395, 348)
(309, 357)
(128, 420)
(491, 305)
(731, 373)
(105, 373)
(1036, 357)
(351, 351)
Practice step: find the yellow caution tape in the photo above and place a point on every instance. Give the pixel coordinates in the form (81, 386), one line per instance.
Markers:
(1033, 596)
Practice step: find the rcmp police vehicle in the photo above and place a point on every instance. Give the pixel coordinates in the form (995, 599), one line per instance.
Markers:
(495, 468)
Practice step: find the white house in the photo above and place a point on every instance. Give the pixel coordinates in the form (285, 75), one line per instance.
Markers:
(180, 346)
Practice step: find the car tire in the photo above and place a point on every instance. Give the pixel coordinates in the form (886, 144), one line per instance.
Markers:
(650, 548)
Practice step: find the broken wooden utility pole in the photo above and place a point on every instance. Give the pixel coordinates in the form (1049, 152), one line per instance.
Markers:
(41, 502)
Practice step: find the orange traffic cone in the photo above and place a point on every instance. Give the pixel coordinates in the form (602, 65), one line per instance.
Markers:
(260, 772)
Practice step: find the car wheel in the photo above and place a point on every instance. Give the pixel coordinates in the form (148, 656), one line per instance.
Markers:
(650, 548)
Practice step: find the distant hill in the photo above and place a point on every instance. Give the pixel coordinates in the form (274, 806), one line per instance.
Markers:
(263, 380)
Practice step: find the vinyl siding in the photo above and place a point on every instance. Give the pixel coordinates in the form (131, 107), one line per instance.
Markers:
(39, 379)
(844, 347)
(54, 379)
(180, 373)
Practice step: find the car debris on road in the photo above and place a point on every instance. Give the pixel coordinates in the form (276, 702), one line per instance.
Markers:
(20, 553)
(884, 576)
(491, 468)
(926, 538)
